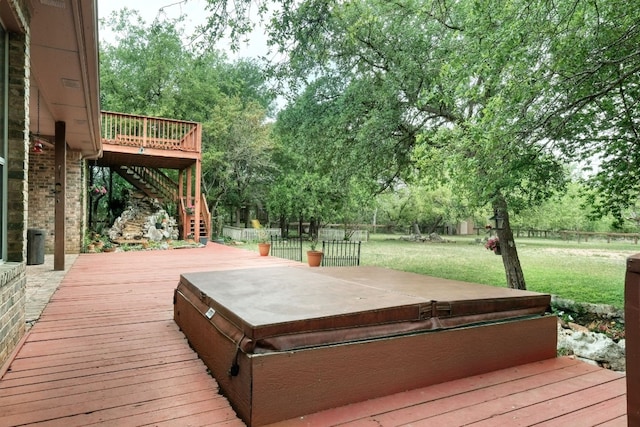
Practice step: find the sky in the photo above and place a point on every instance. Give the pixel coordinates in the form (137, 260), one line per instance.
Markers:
(193, 9)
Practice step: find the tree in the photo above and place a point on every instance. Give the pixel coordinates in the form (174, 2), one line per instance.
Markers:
(424, 203)
(141, 72)
(490, 85)
(237, 166)
(432, 76)
(594, 75)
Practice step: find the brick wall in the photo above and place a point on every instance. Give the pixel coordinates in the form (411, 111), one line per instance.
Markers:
(42, 198)
(12, 307)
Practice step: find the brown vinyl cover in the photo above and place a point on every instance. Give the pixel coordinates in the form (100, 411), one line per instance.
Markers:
(285, 308)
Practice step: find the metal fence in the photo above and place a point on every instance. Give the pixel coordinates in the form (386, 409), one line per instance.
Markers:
(286, 248)
(340, 253)
(251, 234)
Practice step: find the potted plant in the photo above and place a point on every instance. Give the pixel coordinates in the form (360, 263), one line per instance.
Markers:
(493, 244)
(263, 244)
(108, 246)
(314, 257)
(97, 190)
(99, 242)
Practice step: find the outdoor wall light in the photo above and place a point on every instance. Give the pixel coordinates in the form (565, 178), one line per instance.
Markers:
(37, 141)
(497, 219)
(37, 147)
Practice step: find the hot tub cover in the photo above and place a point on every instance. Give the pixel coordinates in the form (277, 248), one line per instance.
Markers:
(286, 308)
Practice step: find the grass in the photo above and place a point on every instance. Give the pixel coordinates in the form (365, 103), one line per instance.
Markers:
(591, 272)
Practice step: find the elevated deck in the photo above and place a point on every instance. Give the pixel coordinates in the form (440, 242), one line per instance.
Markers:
(133, 140)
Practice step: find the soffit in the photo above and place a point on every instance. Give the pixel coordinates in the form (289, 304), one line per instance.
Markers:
(65, 72)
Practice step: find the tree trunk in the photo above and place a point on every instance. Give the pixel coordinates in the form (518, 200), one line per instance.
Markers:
(284, 227)
(238, 217)
(300, 227)
(435, 225)
(512, 267)
(313, 228)
(415, 229)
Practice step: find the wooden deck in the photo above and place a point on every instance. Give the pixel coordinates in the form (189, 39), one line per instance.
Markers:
(106, 351)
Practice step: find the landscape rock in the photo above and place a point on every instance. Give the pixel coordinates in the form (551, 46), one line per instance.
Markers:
(139, 221)
(592, 347)
(601, 310)
(154, 234)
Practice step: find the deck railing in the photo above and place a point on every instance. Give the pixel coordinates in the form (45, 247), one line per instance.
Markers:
(149, 132)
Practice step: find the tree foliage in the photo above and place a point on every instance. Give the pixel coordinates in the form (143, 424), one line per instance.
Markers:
(492, 91)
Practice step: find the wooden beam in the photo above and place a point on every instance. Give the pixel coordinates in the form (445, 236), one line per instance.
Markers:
(632, 334)
(60, 190)
(198, 199)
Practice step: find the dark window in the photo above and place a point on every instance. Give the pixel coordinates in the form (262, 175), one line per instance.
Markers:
(3, 141)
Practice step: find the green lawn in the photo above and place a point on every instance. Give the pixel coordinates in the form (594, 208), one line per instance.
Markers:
(591, 272)
(587, 272)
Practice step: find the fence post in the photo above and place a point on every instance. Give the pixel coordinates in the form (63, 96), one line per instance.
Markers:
(632, 334)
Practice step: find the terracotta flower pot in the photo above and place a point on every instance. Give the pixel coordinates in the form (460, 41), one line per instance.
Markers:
(314, 258)
(264, 248)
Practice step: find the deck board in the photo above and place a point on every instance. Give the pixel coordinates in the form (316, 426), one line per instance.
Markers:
(107, 352)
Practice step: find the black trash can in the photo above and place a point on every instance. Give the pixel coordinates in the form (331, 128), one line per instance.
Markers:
(35, 246)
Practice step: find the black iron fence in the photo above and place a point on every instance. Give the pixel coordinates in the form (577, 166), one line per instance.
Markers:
(286, 248)
(340, 253)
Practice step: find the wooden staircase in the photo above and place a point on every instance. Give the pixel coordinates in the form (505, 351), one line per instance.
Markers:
(152, 182)
(202, 228)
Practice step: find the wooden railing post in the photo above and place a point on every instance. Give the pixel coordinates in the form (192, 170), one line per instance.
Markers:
(197, 198)
(144, 132)
(632, 334)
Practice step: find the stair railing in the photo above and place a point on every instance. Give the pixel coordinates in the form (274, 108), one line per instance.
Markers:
(158, 179)
(205, 215)
(188, 221)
